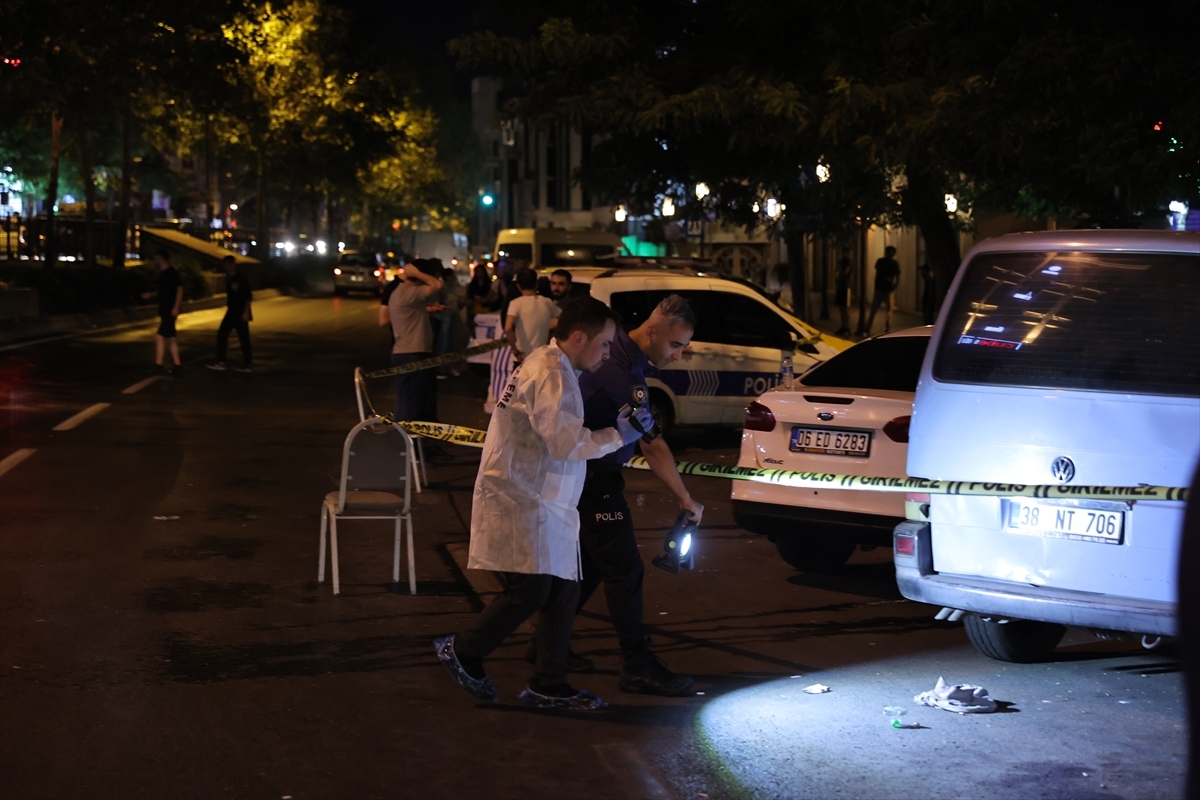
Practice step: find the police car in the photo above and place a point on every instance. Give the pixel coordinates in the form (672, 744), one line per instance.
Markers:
(735, 355)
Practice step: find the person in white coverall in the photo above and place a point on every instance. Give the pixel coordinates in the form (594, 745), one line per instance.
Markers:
(524, 517)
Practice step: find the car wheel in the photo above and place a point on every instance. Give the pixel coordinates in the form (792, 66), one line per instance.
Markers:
(814, 555)
(1019, 641)
(662, 410)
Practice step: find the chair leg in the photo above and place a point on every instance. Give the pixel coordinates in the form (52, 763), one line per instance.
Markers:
(412, 564)
(396, 554)
(321, 557)
(333, 552)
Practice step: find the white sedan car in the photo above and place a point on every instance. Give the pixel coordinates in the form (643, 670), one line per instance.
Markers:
(848, 416)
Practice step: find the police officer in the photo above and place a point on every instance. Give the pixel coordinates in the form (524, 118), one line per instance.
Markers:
(610, 552)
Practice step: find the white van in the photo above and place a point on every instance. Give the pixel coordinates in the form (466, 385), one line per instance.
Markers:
(1069, 357)
(541, 248)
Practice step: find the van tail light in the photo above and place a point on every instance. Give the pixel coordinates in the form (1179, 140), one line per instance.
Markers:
(758, 417)
(904, 544)
(897, 429)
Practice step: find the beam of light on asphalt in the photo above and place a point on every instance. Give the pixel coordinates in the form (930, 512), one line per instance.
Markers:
(13, 459)
(137, 387)
(81, 417)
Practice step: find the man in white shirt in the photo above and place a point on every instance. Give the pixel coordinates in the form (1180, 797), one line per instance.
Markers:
(530, 317)
(524, 515)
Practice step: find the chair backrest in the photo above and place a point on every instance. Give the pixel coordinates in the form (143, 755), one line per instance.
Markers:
(376, 457)
(360, 392)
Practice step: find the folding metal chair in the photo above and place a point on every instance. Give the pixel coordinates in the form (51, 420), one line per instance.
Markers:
(364, 406)
(374, 484)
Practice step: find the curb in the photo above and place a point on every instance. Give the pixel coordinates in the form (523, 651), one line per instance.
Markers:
(61, 326)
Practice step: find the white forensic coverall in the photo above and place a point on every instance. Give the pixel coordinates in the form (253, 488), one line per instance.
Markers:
(524, 515)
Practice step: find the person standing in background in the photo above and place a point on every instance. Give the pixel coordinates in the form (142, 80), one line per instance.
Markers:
(887, 277)
(170, 299)
(407, 312)
(560, 287)
(237, 317)
(530, 317)
(502, 359)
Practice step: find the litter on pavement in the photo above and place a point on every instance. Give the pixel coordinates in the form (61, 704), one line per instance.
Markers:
(816, 688)
(962, 698)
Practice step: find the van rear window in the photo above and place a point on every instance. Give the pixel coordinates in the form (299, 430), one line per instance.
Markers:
(1106, 322)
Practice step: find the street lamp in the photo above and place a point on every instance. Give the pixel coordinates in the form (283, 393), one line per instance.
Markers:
(702, 191)
(233, 206)
(620, 214)
(951, 204)
(668, 207)
(487, 199)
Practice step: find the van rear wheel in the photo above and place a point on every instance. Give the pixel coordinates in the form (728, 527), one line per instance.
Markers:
(1019, 641)
(810, 554)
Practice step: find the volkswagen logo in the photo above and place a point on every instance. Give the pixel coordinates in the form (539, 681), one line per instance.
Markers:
(825, 415)
(1063, 469)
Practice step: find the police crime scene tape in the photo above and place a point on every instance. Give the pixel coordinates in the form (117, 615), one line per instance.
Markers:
(473, 437)
(437, 361)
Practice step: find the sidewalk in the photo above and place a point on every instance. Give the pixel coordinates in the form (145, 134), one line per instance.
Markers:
(900, 319)
(28, 331)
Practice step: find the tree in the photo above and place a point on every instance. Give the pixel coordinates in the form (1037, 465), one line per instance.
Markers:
(1014, 105)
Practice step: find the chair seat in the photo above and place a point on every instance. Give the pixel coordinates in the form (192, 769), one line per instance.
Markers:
(357, 500)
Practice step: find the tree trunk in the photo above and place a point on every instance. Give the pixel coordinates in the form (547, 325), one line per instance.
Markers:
(122, 238)
(89, 198)
(797, 274)
(926, 198)
(211, 182)
(50, 251)
(261, 232)
(862, 279)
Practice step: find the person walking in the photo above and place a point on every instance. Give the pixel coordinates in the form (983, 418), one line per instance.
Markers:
(606, 533)
(524, 522)
(237, 317)
(887, 277)
(170, 299)
(406, 311)
(842, 279)
(530, 317)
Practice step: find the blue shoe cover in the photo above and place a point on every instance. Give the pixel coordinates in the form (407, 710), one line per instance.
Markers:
(582, 700)
(481, 688)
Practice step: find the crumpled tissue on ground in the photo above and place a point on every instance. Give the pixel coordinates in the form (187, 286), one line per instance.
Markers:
(961, 697)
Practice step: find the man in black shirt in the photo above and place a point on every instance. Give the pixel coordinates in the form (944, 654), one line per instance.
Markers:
(237, 317)
(170, 297)
(887, 277)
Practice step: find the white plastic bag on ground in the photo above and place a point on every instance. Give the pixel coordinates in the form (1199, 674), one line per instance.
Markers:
(961, 697)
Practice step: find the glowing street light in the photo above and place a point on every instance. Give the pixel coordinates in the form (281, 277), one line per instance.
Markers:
(668, 207)
(702, 191)
(823, 173)
(233, 206)
(772, 207)
(620, 214)
(487, 199)
(951, 204)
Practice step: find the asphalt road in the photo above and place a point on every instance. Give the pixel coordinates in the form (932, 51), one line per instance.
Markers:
(196, 656)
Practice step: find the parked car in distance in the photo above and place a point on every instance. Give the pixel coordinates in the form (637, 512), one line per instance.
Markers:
(849, 416)
(1059, 358)
(358, 271)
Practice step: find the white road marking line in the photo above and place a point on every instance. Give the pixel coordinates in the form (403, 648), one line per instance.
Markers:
(81, 417)
(137, 387)
(15, 458)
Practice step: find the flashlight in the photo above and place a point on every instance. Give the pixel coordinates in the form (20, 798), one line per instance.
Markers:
(678, 547)
(641, 398)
